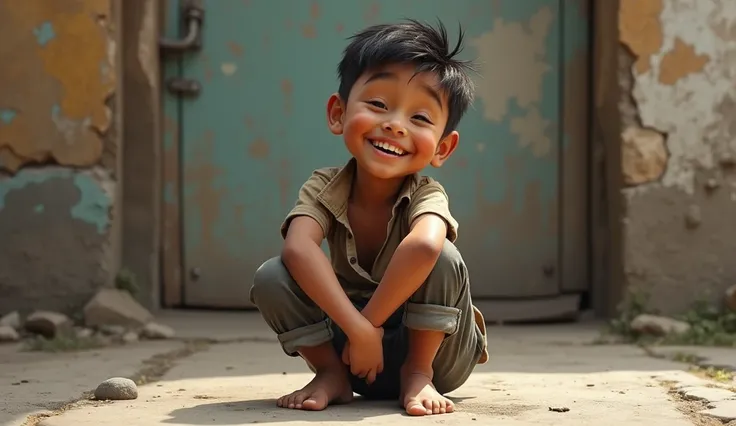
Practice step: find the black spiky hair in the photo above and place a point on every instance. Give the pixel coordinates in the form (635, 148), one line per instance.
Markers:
(411, 41)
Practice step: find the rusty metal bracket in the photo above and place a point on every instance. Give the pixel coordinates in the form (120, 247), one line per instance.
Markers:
(185, 87)
(193, 16)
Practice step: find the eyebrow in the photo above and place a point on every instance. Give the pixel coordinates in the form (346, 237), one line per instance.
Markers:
(385, 75)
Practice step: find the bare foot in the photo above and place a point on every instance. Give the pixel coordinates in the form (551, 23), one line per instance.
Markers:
(419, 397)
(327, 387)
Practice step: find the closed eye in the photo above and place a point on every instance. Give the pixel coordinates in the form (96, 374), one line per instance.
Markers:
(422, 118)
(377, 104)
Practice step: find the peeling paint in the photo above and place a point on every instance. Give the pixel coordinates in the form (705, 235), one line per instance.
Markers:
(258, 149)
(228, 68)
(7, 115)
(519, 75)
(94, 202)
(641, 30)
(235, 49)
(679, 93)
(63, 51)
(44, 33)
(532, 131)
(679, 62)
(680, 114)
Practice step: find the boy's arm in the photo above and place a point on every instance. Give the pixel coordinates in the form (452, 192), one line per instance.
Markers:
(311, 269)
(410, 266)
(416, 255)
(303, 230)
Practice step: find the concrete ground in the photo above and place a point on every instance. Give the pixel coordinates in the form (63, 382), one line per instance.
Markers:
(235, 378)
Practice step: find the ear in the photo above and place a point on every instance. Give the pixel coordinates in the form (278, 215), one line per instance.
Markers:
(445, 149)
(335, 114)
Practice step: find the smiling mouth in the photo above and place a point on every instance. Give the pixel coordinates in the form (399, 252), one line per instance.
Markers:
(388, 149)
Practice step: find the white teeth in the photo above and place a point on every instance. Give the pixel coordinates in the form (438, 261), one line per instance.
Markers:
(387, 147)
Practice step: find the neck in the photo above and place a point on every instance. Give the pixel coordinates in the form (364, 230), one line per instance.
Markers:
(370, 191)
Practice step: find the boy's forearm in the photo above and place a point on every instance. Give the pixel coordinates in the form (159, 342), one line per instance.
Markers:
(312, 271)
(410, 266)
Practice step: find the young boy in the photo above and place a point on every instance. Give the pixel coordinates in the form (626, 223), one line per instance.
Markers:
(390, 315)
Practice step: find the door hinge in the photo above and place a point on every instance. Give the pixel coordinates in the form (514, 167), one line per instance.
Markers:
(184, 86)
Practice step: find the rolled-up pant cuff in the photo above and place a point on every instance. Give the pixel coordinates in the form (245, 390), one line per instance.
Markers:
(308, 336)
(425, 317)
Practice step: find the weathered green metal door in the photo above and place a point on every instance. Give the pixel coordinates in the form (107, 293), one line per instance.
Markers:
(238, 151)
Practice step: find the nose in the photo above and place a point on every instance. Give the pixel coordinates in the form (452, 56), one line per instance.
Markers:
(394, 127)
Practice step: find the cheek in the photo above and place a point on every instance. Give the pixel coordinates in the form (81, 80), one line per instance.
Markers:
(425, 141)
(360, 122)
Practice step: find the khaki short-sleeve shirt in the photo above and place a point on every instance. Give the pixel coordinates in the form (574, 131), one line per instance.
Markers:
(324, 198)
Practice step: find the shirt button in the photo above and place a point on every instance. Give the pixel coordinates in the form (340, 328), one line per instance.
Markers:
(350, 236)
(353, 260)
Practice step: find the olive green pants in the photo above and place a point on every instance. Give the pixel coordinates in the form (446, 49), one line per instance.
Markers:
(443, 303)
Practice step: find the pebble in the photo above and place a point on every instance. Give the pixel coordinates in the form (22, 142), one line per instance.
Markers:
(130, 337)
(155, 331)
(8, 334)
(112, 330)
(117, 389)
(11, 320)
(658, 325)
(84, 333)
(48, 324)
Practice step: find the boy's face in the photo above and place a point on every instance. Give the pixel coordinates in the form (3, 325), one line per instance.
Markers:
(393, 121)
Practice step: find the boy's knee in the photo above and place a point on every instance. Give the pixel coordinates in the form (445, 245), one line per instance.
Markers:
(449, 271)
(437, 305)
(269, 283)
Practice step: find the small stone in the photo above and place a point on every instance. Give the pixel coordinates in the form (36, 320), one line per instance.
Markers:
(644, 155)
(8, 334)
(84, 333)
(130, 337)
(727, 160)
(49, 324)
(702, 393)
(724, 411)
(116, 389)
(115, 307)
(11, 320)
(731, 298)
(658, 326)
(155, 331)
(693, 217)
(112, 330)
(712, 184)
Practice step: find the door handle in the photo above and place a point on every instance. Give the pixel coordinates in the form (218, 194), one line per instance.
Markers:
(192, 12)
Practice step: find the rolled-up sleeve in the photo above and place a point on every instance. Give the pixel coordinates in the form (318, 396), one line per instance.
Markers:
(307, 203)
(431, 197)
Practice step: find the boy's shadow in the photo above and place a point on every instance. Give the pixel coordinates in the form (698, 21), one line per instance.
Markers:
(266, 411)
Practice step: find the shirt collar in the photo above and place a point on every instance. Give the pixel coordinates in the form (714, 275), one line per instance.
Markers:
(334, 196)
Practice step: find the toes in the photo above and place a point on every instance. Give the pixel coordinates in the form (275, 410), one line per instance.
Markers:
(291, 400)
(415, 408)
(450, 406)
(435, 407)
(299, 400)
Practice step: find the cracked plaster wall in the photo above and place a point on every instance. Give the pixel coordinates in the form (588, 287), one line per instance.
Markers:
(58, 152)
(678, 109)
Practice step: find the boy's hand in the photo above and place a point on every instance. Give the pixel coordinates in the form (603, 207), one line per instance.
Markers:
(364, 354)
